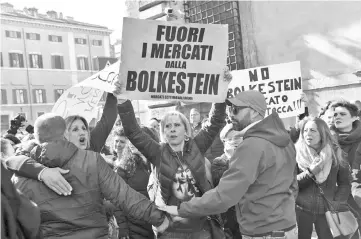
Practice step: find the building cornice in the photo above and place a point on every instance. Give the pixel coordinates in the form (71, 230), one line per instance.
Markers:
(39, 23)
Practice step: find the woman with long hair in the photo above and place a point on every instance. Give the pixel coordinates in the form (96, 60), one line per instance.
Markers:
(78, 133)
(320, 164)
(180, 171)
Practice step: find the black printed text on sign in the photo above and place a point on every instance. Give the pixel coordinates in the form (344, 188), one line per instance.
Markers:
(171, 61)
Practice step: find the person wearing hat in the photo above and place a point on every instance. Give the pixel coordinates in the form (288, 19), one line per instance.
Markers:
(80, 215)
(261, 180)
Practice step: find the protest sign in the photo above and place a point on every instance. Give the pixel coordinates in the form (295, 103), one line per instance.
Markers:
(83, 98)
(281, 85)
(173, 61)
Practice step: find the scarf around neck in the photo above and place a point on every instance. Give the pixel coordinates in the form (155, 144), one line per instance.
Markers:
(307, 156)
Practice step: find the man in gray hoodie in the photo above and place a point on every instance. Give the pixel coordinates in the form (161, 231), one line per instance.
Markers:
(261, 180)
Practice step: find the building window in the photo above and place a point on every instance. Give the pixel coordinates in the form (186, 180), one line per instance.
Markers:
(4, 99)
(220, 12)
(13, 34)
(57, 62)
(97, 42)
(33, 36)
(1, 59)
(20, 96)
(95, 64)
(16, 60)
(5, 122)
(83, 63)
(81, 41)
(39, 96)
(40, 113)
(57, 94)
(53, 38)
(36, 61)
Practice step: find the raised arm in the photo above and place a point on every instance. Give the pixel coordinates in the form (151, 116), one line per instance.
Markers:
(142, 141)
(100, 133)
(208, 133)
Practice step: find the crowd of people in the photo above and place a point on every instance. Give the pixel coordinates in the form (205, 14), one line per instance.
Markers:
(235, 174)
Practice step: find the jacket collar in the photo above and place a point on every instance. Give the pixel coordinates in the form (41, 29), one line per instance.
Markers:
(55, 153)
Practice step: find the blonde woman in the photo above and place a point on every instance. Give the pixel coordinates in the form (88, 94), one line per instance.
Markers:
(320, 164)
(179, 162)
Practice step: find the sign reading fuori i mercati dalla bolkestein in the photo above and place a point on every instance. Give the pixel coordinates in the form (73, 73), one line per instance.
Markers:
(173, 61)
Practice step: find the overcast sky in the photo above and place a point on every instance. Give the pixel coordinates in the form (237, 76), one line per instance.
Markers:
(107, 13)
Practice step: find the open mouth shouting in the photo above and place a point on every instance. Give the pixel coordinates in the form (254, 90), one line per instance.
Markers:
(82, 141)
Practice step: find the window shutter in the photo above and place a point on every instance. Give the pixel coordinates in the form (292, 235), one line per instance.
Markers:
(21, 61)
(49, 37)
(27, 36)
(61, 62)
(14, 97)
(60, 39)
(37, 36)
(18, 34)
(3, 97)
(84, 41)
(86, 60)
(31, 61)
(25, 96)
(40, 61)
(11, 59)
(52, 62)
(78, 62)
(7, 33)
(55, 95)
(44, 96)
(34, 97)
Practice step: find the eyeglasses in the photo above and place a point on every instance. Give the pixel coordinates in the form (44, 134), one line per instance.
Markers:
(235, 109)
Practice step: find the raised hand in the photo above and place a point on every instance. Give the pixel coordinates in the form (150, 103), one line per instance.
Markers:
(53, 179)
(227, 76)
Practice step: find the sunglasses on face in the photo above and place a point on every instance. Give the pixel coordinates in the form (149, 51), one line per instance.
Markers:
(235, 109)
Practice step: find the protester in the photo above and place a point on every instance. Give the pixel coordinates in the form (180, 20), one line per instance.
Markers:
(135, 169)
(261, 180)
(20, 218)
(195, 120)
(154, 124)
(348, 129)
(19, 122)
(77, 132)
(80, 215)
(231, 139)
(179, 161)
(358, 104)
(320, 164)
(327, 114)
(13, 139)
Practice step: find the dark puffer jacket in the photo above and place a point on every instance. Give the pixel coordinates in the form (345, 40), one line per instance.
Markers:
(336, 188)
(165, 159)
(81, 214)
